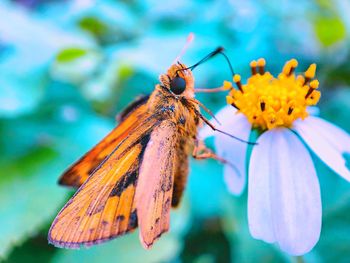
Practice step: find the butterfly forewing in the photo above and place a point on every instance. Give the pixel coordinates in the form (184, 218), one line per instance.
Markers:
(104, 206)
(77, 174)
(155, 186)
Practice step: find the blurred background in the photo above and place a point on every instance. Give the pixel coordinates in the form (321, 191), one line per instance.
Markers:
(67, 67)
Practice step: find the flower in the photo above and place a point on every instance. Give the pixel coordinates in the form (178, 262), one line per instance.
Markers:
(284, 202)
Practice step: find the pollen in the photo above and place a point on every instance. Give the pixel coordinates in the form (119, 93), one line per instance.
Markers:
(269, 102)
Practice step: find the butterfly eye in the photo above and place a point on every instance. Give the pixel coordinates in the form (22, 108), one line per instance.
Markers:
(177, 85)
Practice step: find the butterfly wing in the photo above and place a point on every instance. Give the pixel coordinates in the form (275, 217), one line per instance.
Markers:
(77, 174)
(155, 186)
(104, 206)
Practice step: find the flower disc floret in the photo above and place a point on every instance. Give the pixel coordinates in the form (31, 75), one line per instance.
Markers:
(270, 102)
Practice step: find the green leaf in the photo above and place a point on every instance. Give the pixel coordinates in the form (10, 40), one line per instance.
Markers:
(29, 194)
(35, 249)
(329, 30)
(69, 54)
(75, 65)
(94, 25)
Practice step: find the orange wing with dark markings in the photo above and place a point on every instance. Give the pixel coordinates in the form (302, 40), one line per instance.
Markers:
(104, 206)
(77, 174)
(155, 185)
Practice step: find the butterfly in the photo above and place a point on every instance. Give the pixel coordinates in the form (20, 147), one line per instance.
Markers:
(138, 172)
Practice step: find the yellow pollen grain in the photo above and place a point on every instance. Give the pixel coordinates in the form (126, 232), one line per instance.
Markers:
(293, 62)
(253, 64)
(314, 84)
(268, 101)
(236, 78)
(229, 100)
(311, 71)
(261, 62)
(300, 79)
(289, 66)
(227, 85)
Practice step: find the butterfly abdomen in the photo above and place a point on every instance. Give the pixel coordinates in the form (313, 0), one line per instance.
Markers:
(181, 174)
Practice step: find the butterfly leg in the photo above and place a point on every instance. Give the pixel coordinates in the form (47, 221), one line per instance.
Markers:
(201, 152)
(213, 127)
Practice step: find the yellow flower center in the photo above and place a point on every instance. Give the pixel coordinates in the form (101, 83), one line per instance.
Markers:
(269, 102)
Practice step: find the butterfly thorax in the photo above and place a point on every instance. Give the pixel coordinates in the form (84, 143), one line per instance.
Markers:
(171, 100)
(178, 109)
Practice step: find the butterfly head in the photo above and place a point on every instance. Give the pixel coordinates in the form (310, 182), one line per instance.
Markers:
(179, 80)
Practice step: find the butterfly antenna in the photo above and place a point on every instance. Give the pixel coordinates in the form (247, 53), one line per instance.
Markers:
(234, 137)
(228, 62)
(209, 56)
(189, 40)
(217, 51)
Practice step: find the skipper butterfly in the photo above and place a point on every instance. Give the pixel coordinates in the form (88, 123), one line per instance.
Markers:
(137, 172)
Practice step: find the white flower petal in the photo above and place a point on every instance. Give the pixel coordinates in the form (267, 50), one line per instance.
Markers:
(229, 148)
(234, 151)
(327, 141)
(225, 117)
(259, 208)
(235, 179)
(284, 203)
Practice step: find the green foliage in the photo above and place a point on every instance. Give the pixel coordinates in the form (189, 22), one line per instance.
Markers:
(329, 30)
(70, 54)
(24, 183)
(94, 25)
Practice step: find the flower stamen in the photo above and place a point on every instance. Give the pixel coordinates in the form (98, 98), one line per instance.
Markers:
(253, 66)
(290, 110)
(269, 101)
(237, 80)
(261, 64)
(310, 73)
(289, 67)
(313, 85)
(227, 85)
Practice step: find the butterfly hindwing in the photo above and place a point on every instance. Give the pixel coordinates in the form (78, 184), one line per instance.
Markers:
(104, 206)
(155, 185)
(77, 174)
(141, 100)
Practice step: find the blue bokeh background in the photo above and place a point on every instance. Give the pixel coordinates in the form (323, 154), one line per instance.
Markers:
(68, 67)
